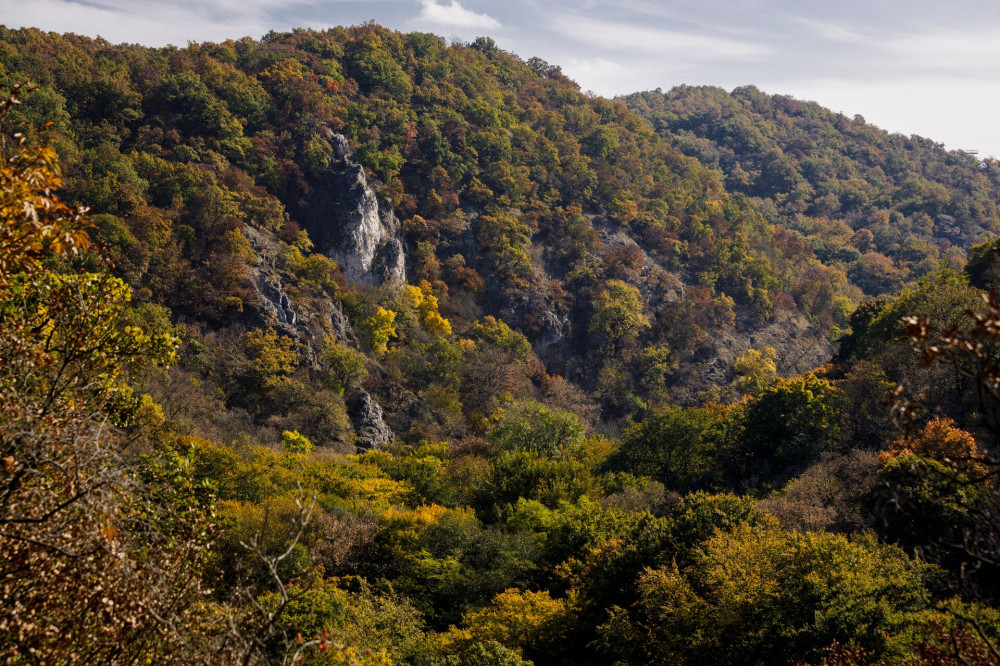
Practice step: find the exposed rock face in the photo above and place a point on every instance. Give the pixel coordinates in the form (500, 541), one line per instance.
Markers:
(345, 219)
(366, 415)
(553, 328)
(307, 323)
(800, 347)
(964, 236)
(273, 308)
(338, 322)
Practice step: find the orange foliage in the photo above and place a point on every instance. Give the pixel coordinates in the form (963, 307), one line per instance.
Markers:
(940, 440)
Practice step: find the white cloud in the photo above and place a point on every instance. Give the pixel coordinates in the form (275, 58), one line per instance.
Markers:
(151, 23)
(634, 38)
(610, 77)
(831, 31)
(454, 15)
(945, 48)
(596, 73)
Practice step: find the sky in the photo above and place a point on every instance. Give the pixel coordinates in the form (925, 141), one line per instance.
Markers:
(912, 66)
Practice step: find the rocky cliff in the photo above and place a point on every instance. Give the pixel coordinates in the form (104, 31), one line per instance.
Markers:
(345, 219)
(309, 323)
(708, 358)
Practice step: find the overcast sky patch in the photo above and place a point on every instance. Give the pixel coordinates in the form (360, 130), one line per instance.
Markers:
(625, 37)
(832, 32)
(946, 48)
(913, 66)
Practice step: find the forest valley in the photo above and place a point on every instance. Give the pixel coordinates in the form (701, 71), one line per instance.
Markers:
(356, 347)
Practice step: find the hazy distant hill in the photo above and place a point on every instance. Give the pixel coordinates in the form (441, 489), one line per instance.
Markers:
(882, 206)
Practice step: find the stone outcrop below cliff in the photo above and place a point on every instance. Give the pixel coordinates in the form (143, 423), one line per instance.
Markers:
(366, 416)
(799, 344)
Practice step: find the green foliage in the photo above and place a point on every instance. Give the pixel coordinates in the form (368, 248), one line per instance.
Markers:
(427, 470)
(759, 594)
(922, 500)
(678, 447)
(371, 60)
(489, 653)
(373, 627)
(619, 314)
(537, 429)
(523, 474)
(614, 387)
(982, 267)
(499, 334)
(786, 428)
(700, 515)
(942, 297)
(178, 150)
(845, 195)
(345, 366)
(656, 364)
(514, 536)
(314, 272)
(505, 240)
(445, 560)
(879, 339)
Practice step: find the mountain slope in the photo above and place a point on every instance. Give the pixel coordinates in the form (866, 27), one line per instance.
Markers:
(503, 191)
(518, 196)
(882, 207)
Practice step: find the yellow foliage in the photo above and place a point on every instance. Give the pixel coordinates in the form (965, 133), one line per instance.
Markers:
(744, 565)
(433, 322)
(149, 415)
(518, 619)
(381, 328)
(757, 369)
(413, 295)
(426, 303)
(282, 71)
(292, 441)
(377, 491)
(351, 655)
(422, 516)
(236, 244)
(271, 355)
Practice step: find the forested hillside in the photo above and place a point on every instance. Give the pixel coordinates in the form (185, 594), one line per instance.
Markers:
(882, 208)
(355, 347)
